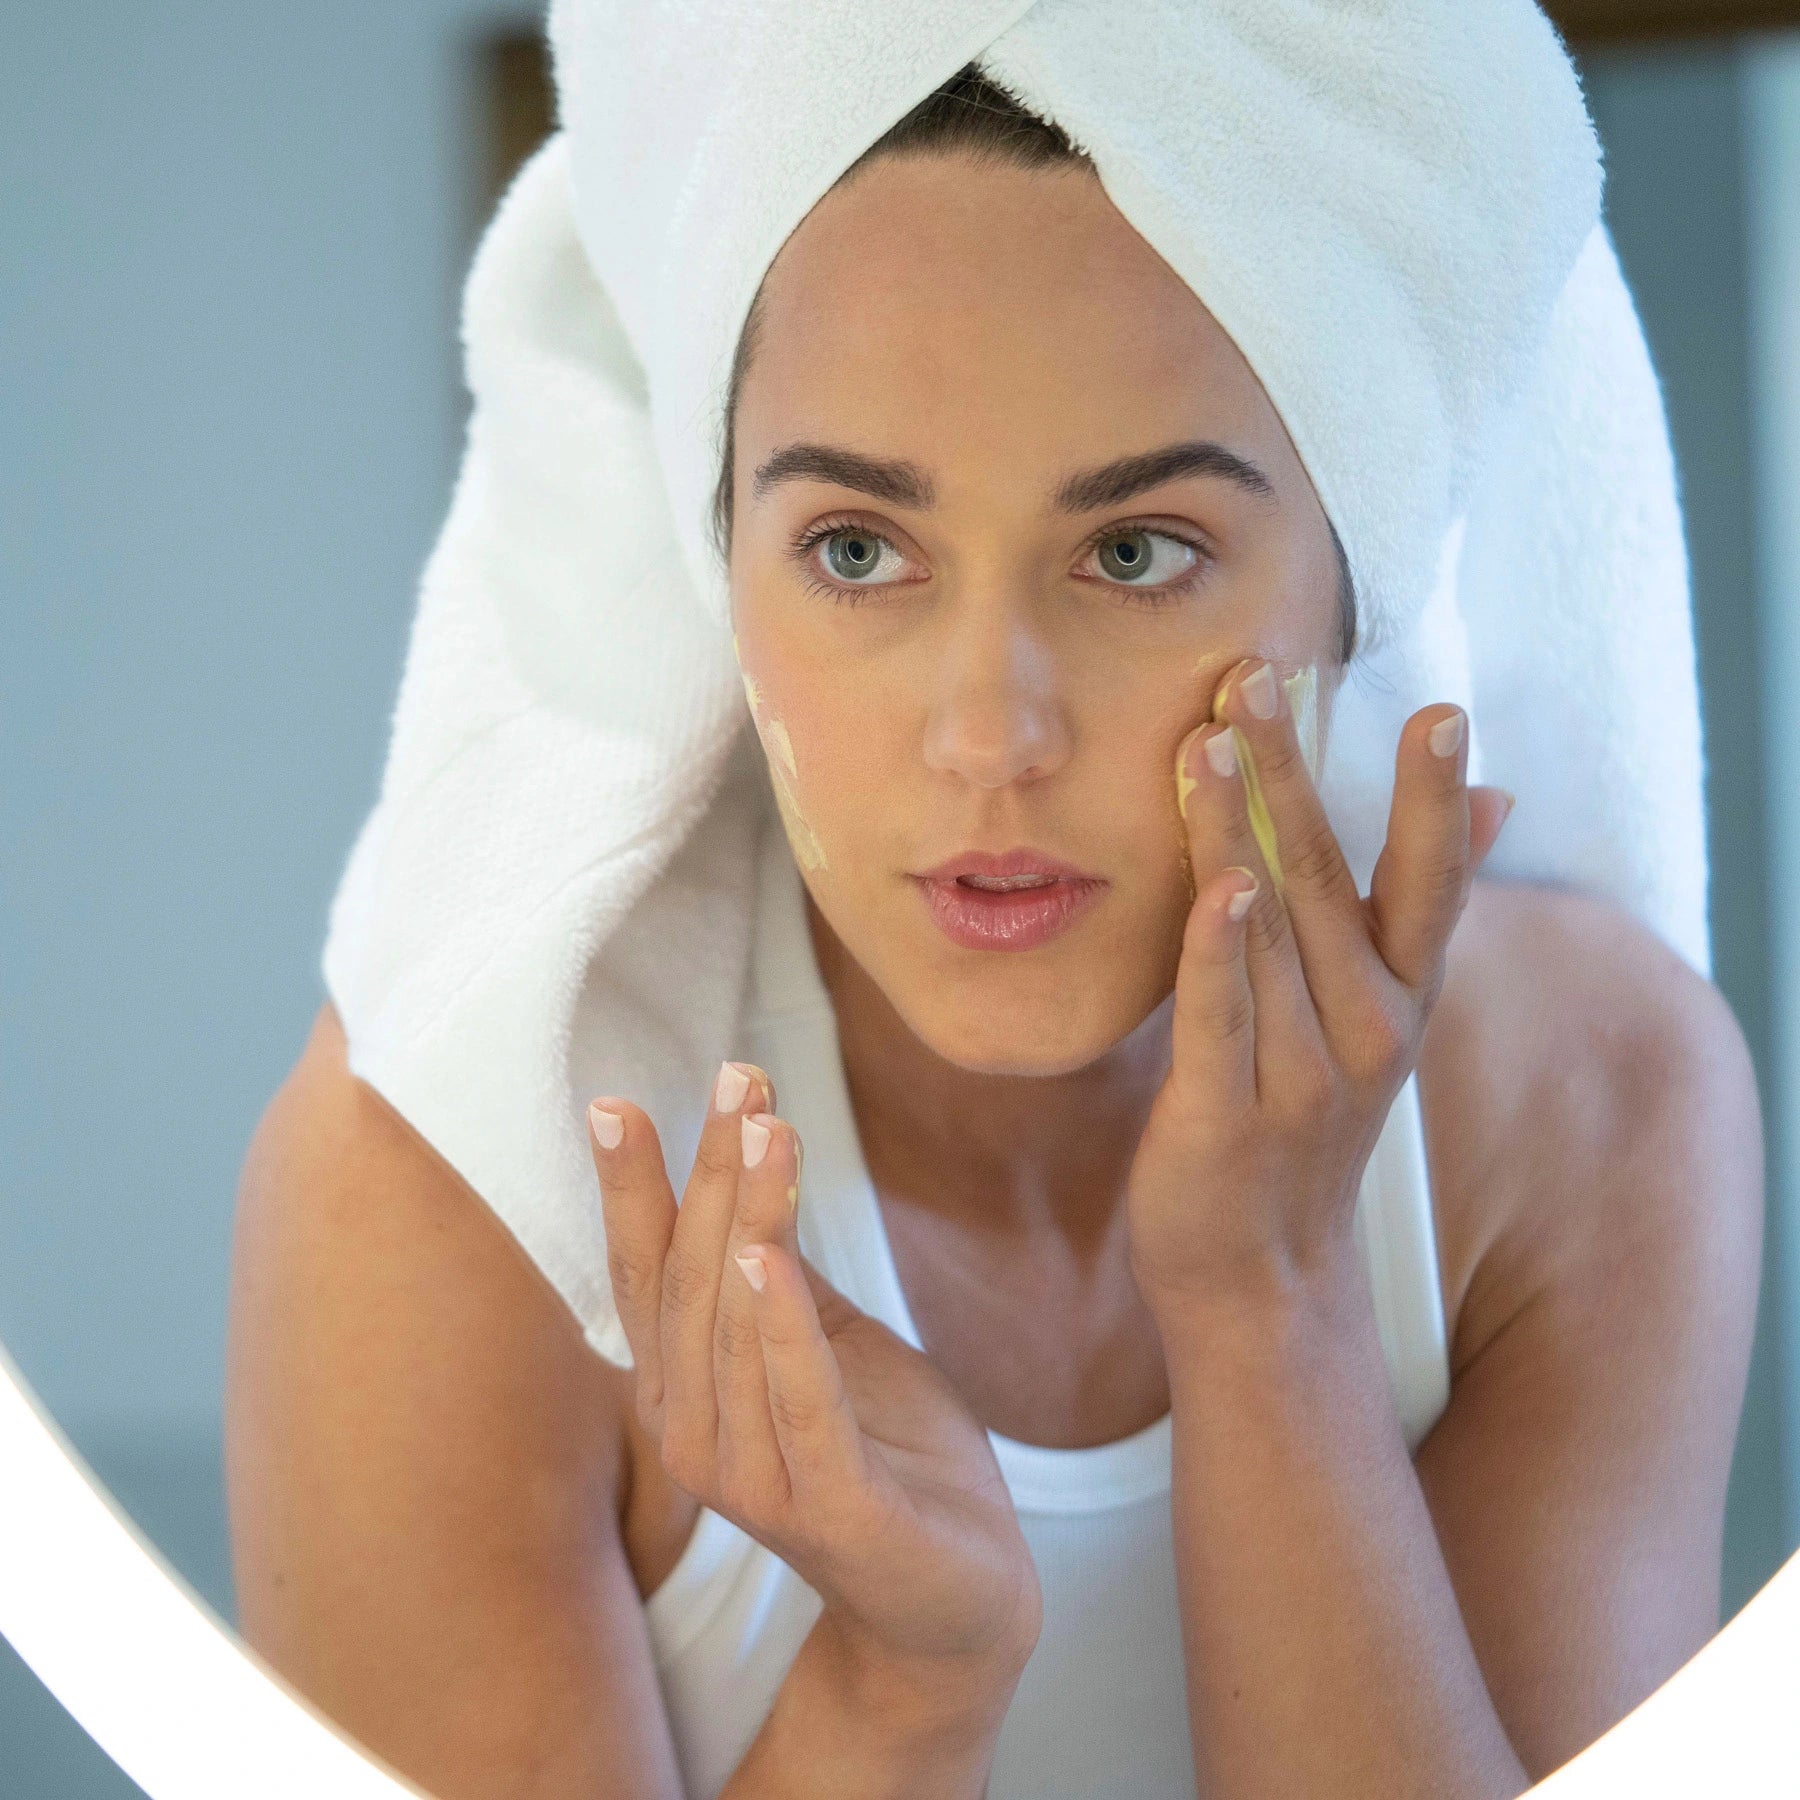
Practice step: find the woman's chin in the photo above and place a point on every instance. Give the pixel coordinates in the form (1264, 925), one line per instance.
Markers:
(1030, 1041)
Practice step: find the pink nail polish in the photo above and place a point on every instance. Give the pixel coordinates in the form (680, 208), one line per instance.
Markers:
(1445, 735)
(1260, 693)
(756, 1142)
(731, 1087)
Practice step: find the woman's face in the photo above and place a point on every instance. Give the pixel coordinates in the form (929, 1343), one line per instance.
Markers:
(968, 623)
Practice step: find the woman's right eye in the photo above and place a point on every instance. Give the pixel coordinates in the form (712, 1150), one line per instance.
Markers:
(854, 556)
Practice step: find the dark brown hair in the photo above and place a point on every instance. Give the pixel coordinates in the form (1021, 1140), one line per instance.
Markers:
(968, 115)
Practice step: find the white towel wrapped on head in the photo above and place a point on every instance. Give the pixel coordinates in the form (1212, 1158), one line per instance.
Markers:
(1389, 204)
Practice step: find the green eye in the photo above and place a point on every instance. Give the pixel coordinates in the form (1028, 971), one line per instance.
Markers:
(852, 555)
(1131, 557)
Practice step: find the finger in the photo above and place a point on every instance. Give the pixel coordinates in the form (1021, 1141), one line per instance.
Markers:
(1220, 836)
(1421, 879)
(1489, 809)
(815, 1424)
(693, 1268)
(1305, 861)
(638, 1206)
(767, 1199)
(1215, 1012)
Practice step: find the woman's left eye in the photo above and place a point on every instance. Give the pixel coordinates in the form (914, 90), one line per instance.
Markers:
(1145, 558)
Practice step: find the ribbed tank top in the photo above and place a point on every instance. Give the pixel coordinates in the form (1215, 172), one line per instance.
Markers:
(1101, 1708)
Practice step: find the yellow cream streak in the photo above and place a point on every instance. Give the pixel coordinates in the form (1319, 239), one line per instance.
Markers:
(783, 771)
(1302, 690)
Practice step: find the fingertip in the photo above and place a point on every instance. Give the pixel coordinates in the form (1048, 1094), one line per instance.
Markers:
(753, 1261)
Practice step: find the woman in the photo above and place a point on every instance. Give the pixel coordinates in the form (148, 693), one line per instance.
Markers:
(1117, 1134)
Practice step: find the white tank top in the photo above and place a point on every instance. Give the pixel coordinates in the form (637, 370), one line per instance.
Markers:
(1102, 1706)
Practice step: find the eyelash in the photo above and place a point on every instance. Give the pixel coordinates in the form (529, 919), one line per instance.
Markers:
(803, 546)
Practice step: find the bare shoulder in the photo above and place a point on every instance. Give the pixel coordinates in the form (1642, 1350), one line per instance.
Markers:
(425, 1462)
(1588, 1098)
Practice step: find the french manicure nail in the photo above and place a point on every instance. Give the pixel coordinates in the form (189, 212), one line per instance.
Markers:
(729, 1091)
(609, 1127)
(1445, 735)
(1240, 902)
(1259, 692)
(1221, 752)
(756, 1142)
(752, 1265)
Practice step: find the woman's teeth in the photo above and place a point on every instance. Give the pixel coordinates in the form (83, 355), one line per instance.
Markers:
(1006, 883)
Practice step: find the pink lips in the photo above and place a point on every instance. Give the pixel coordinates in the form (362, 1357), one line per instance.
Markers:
(1019, 917)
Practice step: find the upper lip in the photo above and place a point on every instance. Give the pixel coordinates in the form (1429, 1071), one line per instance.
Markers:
(1013, 862)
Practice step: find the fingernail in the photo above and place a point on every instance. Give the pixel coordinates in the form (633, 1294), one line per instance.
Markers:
(752, 1265)
(729, 1091)
(1221, 752)
(756, 1142)
(1260, 693)
(1240, 902)
(1446, 734)
(609, 1127)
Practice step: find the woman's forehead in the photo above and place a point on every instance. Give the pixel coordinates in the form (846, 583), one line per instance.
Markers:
(949, 306)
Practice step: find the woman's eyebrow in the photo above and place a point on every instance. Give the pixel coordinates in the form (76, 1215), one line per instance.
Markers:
(903, 483)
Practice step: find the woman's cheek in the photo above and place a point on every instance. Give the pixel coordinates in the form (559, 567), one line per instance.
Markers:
(784, 773)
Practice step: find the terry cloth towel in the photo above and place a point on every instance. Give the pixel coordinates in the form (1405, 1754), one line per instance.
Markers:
(1391, 205)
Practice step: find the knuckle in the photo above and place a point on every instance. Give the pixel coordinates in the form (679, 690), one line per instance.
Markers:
(737, 1337)
(634, 1276)
(688, 1457)
(1313, 857)
(796, 1415)
(1229, 1014)
(1310, 1085)
(1385, 1038)
(687, 1282)
(719, 1154)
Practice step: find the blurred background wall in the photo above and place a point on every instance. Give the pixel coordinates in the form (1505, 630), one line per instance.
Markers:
(230, 413)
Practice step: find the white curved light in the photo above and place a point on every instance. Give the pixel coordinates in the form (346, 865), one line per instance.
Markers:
(142, 1662)
(178, 1702)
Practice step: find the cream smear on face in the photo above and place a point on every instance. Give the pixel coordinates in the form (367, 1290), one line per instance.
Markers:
(778, 747)
(1302, 690)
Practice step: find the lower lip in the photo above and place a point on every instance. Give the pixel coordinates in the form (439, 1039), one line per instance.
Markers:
(1022, 919)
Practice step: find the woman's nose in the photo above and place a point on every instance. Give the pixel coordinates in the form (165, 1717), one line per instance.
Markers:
(998, 715)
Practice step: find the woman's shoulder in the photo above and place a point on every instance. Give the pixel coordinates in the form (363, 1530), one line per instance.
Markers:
(1575, 1072)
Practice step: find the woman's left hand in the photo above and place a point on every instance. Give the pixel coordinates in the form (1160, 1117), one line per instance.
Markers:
(1296, 1026)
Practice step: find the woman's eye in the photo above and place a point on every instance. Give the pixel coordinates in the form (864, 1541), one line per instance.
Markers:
(854, 556)
(1144, 558)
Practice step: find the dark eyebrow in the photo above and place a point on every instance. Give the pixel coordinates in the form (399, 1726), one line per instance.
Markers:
(904, 483)
(1114, 483)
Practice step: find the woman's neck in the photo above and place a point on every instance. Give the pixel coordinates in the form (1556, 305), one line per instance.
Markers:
(1009, 1154)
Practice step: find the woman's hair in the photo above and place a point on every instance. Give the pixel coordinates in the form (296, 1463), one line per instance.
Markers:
(968, 115)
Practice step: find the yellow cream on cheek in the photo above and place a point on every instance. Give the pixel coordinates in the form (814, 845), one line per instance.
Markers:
(1302, 690)
(778, 747)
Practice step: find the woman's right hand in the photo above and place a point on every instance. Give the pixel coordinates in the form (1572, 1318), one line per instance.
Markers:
(807, 1423)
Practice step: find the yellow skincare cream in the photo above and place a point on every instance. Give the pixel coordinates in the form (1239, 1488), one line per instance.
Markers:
(778, 748)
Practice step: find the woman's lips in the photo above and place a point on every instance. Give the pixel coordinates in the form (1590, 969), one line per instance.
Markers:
(1015, 918)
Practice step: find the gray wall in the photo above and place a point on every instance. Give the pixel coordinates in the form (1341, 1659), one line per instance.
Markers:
(227, 354)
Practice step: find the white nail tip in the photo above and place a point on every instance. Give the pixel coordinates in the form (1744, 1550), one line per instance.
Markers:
(1221, 753)
(609, 1127)
(729, 1091)
(754, 1272)
(1259, 692)
(756, 1142)
(1445, 735)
